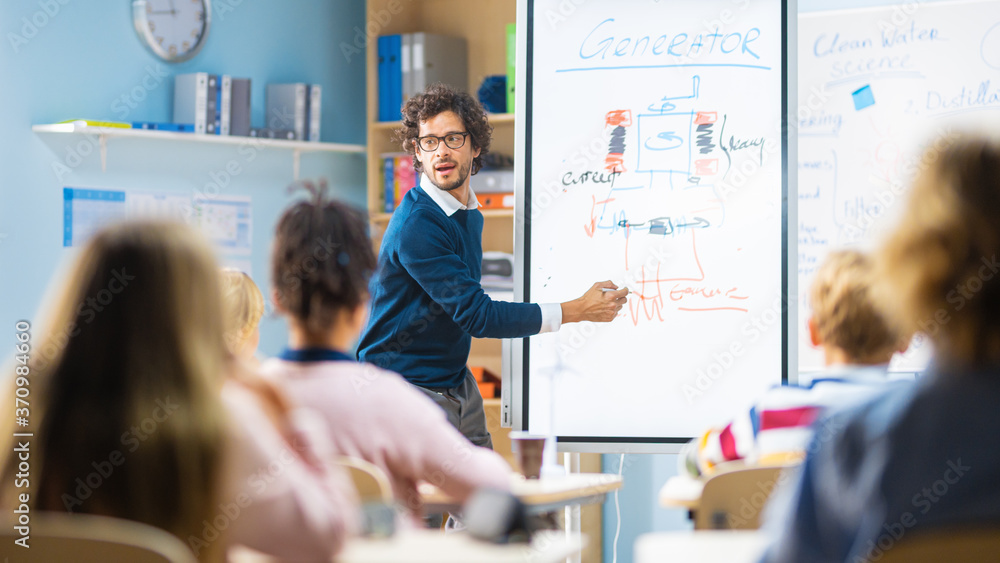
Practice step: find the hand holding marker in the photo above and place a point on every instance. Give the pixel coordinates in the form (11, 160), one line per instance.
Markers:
(612, 289)
(601, 303)
(618, 294)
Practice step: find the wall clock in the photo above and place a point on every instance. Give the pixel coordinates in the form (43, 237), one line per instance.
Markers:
(174, 30)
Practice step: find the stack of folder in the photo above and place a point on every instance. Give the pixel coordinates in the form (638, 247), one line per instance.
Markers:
(219, 104)
(214, 104)
(294, 107)
(410, 62)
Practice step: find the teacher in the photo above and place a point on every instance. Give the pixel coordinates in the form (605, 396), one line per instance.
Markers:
(426, 299)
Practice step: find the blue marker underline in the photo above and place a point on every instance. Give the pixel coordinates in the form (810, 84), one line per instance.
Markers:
(686, 65)
(884, 74)
(965, 110)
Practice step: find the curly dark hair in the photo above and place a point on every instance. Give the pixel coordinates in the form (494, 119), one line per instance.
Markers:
(322, 259)
(439, 98)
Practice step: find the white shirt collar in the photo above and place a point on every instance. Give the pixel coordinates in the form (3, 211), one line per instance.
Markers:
(445, 200)
(854, 373)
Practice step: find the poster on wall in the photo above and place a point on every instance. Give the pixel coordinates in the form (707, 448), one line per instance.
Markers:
(226, 221)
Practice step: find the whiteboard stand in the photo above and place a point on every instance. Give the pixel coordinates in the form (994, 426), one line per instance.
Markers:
(506, 361)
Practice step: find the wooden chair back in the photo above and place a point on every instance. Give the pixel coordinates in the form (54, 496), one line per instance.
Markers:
(84, 538)
(734, 500)
(370, 481)
(954, 546)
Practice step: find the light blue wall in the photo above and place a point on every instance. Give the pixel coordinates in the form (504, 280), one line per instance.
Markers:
(644, 475)
(86, 57)
(638, 510)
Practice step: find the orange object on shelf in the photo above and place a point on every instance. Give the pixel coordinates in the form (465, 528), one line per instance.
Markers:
(496, 201)
(482, 374)
(488, 389)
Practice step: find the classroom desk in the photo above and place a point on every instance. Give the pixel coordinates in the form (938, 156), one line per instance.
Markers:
(434, 546)
(539, 495)
(682, 491)
(707, 546)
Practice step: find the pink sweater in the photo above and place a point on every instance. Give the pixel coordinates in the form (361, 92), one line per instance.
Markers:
(376, 415)
(272, 500)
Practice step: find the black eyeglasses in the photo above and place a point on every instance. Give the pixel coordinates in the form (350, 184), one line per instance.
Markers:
(429, 143)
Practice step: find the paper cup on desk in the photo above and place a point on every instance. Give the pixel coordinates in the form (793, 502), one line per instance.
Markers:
(528, 449)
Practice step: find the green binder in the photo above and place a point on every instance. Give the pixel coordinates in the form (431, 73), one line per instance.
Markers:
(511, 62)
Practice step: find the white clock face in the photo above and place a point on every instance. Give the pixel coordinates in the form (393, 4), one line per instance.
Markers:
(173, 29)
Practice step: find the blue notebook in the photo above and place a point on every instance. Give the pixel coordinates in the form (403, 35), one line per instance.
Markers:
(155, 126)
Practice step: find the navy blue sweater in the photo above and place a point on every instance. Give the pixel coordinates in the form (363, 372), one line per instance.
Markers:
(426, 300)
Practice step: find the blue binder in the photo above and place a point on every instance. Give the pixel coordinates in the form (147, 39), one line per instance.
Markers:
(384, 83)
(395, 77)
(218, 104)
(388, 178)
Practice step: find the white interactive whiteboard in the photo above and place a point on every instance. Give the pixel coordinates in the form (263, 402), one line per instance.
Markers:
(876, 86)
(654, 156)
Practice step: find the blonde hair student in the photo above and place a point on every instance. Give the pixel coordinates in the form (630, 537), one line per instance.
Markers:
(921, 456)
(848, 321)
(243, 306)
(858, 341)
(134, 416)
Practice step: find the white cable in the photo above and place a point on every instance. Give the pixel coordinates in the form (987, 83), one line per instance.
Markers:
(618, 514)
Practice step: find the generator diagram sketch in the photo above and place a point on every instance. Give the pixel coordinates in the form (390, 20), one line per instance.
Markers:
(656, 162)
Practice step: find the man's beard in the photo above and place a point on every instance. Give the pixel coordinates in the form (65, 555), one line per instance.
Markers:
(463, 174)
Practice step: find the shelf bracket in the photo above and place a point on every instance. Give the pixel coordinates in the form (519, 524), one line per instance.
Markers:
(103, 139)
(296, 155)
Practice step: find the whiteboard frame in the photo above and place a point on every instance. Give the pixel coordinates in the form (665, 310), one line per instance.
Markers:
(514, 394)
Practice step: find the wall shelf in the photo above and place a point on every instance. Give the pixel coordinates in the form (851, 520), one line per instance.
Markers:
(105, 133)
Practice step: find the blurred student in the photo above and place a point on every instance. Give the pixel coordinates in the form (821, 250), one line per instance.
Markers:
(321, 264)
(923, 456)
(857, 343)
(243, 304)
(138, 414)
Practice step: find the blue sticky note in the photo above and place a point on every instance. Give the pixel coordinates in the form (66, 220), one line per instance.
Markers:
(863, 97)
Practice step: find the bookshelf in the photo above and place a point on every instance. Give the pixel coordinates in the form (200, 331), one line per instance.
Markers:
(483, 25)
(296, 148)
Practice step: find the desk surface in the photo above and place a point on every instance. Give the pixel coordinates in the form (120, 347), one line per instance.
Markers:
(564, 490)
(701, 547)
(682, 491)
(433, 546)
